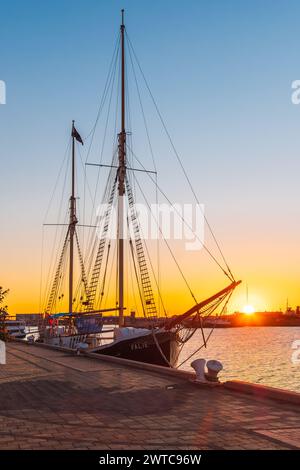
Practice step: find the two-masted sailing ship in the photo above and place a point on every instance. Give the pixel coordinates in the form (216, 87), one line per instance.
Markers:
(157, 339)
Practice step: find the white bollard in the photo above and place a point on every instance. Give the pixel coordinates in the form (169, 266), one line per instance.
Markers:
(213, 368)
(199, 366)
(2, 353)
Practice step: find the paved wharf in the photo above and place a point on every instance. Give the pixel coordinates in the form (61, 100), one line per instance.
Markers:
(52, 399)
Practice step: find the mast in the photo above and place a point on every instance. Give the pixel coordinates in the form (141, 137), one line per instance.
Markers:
(121, 182)
(72, 223)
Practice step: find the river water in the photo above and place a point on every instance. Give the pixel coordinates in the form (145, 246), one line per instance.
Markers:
(261, 355)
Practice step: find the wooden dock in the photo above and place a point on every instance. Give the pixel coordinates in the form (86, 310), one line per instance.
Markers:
(52, 399)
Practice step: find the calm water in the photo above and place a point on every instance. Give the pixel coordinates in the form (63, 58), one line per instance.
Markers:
(262, 355)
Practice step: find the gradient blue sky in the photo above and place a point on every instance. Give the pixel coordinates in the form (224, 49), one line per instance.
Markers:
(221, 73)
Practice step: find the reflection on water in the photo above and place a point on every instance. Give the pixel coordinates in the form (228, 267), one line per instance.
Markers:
(261, 355)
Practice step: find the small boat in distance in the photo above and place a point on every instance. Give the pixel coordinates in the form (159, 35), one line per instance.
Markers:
(161, 338)
(15, 328)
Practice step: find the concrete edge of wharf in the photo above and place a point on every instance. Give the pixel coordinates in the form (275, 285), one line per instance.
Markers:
(255, 390)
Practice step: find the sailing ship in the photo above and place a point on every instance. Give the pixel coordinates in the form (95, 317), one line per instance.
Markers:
(160, 339)
(15, 328)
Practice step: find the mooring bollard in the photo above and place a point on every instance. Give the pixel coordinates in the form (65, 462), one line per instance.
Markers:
(213, 368)
(199, 366)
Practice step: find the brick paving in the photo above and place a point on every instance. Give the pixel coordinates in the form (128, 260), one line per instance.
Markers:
(52, 400)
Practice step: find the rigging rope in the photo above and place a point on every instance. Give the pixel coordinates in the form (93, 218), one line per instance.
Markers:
(151, 265)
(95, 273)
(207, 338)
(148, 296)
(183, 220)
(104, 139)
(104, 276)
(155, 169)
(41, 271)
(136, 276)
(168, 246)
(52, 266)
(83, 274)
(55, 285)
(109, 85)
(178, 157)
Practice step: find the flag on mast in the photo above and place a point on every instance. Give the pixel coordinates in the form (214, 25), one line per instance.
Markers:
(76, 135)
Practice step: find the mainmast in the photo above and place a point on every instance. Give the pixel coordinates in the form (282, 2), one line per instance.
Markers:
(121, 181)
(72, 223)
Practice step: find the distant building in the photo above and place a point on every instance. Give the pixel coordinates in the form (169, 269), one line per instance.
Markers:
(29, 317)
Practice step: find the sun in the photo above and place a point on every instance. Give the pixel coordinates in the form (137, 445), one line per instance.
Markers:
(248, 309)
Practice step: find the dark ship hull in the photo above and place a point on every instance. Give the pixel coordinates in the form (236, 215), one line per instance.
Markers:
(144, 348)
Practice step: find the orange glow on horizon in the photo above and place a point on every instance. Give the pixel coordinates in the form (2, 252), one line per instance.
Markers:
(269, 289)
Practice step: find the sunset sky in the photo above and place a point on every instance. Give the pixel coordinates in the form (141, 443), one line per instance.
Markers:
(221, 73)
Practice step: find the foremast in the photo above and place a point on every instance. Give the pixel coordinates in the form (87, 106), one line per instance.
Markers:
(72, 223)
(71, 239)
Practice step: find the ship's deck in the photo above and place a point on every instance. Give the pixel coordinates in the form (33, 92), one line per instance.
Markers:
(54, 400)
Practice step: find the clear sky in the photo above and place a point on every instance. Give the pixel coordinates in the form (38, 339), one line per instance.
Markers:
(221, 73)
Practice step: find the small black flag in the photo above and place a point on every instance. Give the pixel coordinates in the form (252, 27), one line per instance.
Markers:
(76, 135)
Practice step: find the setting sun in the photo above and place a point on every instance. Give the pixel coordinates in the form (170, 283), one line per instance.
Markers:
(248, 309)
